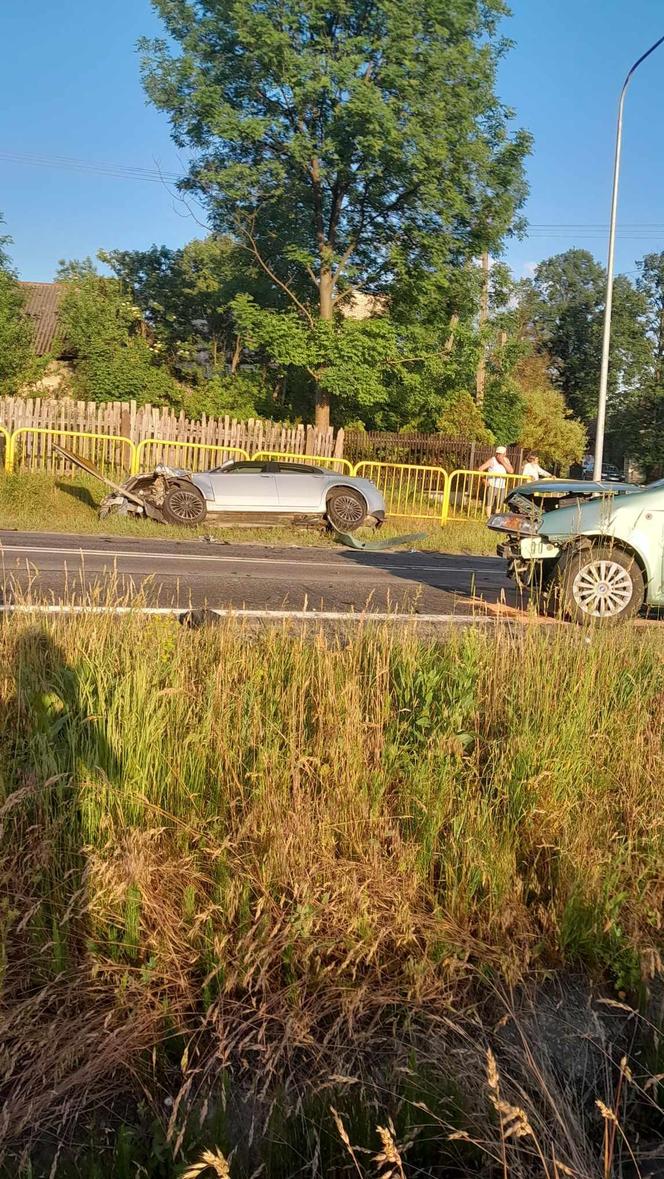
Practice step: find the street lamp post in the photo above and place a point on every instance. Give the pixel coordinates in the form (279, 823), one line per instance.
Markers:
(606, 339)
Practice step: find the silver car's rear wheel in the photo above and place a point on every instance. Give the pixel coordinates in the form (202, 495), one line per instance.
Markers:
(346, 509)
(602, 585)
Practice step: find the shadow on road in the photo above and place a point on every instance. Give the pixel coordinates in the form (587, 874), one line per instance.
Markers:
(443, 583)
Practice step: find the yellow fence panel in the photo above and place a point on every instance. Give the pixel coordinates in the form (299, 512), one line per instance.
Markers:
(342, 466)
(192, 456)
(5, 438)
(30, 448)
(409, 490)
(475, 495)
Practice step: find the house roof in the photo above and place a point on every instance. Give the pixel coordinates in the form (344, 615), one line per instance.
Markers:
(42, 300)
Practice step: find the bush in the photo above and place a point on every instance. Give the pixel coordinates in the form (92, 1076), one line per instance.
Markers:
(504, 411)
(462, 418)
(17, 361)
(126, 373)
(549, 429)
(239, 396)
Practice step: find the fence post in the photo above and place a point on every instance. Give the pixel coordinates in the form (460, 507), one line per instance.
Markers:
(445, 510)
(339, 443)
(9, 453)
(4, 432)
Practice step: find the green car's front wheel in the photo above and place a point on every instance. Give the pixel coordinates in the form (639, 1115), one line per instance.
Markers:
(601, 584)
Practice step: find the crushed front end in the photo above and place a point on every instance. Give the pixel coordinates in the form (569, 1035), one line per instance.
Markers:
(529, 557)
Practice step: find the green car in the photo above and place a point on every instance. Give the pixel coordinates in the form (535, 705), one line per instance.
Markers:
(595, 550)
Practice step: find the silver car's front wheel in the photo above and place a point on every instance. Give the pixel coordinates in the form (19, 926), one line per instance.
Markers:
(601, 585)
(346, 509)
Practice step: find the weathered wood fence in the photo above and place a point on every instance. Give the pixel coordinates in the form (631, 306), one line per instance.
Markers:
(124, 419)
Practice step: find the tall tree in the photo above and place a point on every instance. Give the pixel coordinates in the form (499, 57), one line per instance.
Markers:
(326, 135)
(186, 296)
(650, 284)
(107, 339)
(548, 427)
(17, 360)
(562, 311)
(642, 427)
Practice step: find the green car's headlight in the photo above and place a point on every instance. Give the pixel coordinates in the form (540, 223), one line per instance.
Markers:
(519, 525)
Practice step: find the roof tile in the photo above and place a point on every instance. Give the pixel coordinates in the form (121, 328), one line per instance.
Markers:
(41, 305)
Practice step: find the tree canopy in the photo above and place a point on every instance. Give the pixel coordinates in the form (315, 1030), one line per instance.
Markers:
(562, 311)
(17, 360)
(340, 143)
(105, 334)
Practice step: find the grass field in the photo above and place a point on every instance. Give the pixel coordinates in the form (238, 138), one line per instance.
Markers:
(44, 503)
(258, 887)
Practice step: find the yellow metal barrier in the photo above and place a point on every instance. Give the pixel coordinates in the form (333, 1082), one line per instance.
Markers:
(193, 456)
(7, 439)
(315, 460)
(38, 453)
(409, 490)
(422, 493)
(474, 495)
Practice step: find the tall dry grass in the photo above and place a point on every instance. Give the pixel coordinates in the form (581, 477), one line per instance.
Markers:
(258, 858)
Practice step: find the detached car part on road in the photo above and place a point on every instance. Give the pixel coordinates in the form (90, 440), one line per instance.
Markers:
(242, 491)
(593, 551)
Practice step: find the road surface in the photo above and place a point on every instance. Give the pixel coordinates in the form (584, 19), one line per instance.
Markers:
(55, 568)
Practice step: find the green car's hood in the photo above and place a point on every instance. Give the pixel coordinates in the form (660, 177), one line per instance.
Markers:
(617, 514)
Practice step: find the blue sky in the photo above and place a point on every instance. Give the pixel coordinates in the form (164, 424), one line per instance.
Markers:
(69, 88)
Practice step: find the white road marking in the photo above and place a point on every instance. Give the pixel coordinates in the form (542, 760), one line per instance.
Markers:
(298, 615)
(329, 565)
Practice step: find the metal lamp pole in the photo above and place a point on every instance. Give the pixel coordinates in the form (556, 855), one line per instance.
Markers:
(606, 339)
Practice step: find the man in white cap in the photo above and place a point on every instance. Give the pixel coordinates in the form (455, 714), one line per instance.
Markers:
(497, 467)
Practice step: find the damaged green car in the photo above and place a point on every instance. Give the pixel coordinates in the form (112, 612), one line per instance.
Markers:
(594, 552)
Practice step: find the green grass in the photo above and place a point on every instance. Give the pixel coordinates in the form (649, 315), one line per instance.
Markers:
(258, 860)
(45, 503)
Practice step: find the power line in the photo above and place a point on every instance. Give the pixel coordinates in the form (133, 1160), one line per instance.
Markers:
(117, 171)
(536, 230)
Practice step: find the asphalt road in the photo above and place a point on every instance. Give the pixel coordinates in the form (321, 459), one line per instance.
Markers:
(55, 568)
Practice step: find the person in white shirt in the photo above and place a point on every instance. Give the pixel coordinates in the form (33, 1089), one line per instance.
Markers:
(496, 467)
(532, 469)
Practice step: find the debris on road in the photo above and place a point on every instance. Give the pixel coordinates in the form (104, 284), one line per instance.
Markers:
(377, 546)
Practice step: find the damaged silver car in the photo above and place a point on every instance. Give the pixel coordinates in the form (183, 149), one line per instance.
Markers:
(248, 491)
(594, 552)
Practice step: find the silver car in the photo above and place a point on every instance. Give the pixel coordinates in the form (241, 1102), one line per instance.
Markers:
(287, 489)
(244, 490)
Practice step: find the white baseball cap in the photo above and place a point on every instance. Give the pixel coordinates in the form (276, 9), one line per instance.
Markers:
(501, 450)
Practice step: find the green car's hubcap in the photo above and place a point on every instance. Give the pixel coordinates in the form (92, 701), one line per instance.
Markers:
(602, 589)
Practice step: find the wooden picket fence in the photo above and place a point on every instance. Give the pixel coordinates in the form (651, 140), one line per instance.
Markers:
(124, 419)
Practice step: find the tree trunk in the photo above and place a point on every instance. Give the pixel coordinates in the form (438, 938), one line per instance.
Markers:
(454, 323)
(484, 315)
(235, 358)
(326, 304)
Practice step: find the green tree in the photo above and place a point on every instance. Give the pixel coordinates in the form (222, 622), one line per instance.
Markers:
(562, 311)
(103, 329)
(186, 297)
(650, 284)
(329, 138)
(17, 360)
(548, 427)
(641, 426)
(462, 418)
